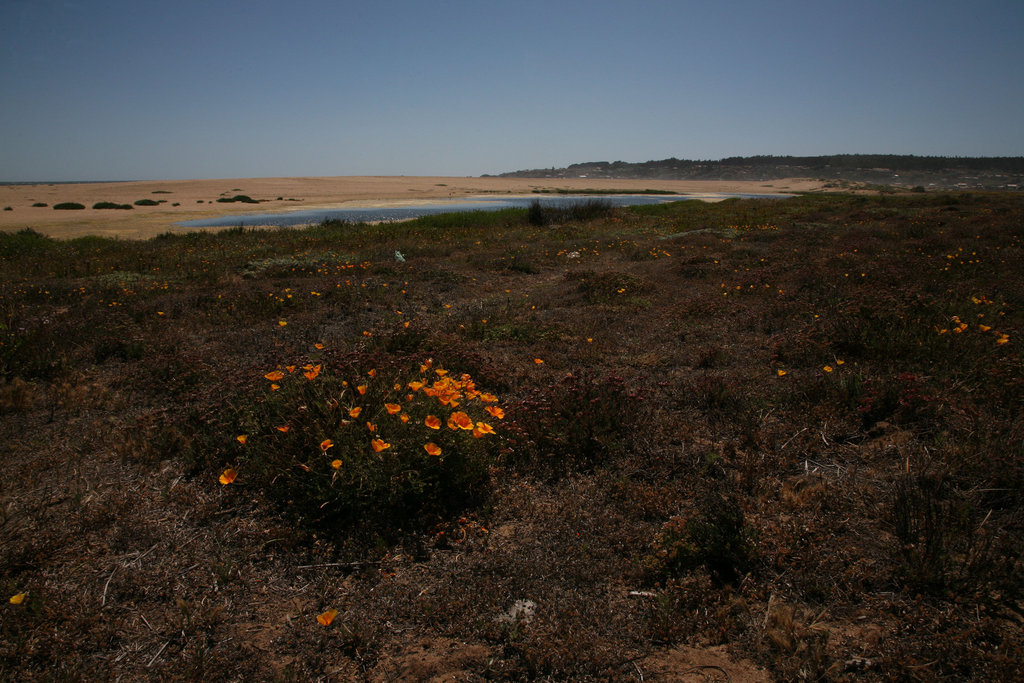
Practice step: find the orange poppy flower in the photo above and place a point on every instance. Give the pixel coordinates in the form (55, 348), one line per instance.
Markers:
(538, 361)
(372, 427)
(495, 411)
(17, 599)
(379, 445)
(336, 464)
(404, 418)
(327, 617)
(392, 408)
(361, 389)
(275, 387)
(354, 412)
(481, 429)
(283, 429)
(290, 368)
(432, 422)
(432, 448)
(460, 420)
(372, 372)
(415, 385)
(318, 347)
(242, 438)
(488, 398)
(325, 444)
(274, 375)
(228, 476)
(441, 372)
(312, 373)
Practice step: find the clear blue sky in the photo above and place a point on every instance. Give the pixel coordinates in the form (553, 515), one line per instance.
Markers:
(116, 89)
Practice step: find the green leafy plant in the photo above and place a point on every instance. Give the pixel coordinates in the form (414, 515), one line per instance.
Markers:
(355, 450)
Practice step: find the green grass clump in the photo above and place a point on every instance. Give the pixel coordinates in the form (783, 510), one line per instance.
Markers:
(68, 206)
(146, 202)
(111, 205)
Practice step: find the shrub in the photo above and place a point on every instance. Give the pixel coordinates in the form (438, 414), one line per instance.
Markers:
(110, 205)
(68, 206)
(8, 208)
(370, 447)
(715, 537)
(40, 204)
(147, 202)
(244, 199)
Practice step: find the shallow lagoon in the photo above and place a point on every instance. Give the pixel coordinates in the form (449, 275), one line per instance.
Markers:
(400, 213)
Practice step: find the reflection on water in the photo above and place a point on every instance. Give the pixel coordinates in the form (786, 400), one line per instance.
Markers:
(399, 213)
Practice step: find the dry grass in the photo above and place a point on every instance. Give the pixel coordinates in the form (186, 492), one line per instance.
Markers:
(757, 448)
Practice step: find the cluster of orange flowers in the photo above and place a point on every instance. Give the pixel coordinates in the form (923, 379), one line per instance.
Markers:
(959, 327)
(448, 391)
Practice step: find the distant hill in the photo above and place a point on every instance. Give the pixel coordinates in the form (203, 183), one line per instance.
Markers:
(897, 170)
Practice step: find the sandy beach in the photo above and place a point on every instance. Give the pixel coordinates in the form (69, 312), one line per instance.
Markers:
(182, 200)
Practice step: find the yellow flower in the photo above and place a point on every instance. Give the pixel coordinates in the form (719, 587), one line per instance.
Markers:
(274, 375)
(336, 464)
(281, 323)
(275, 387)
(327, 617)
(432, 448)
(495, 411)
(392, 408)
(780, 373)
(17, 599)
(827, 368)
(318, 346)
(242, 438)
(538, 361)
(379, 445)
(432, 422)
(325, 444)
(312, 372)
(228, 476)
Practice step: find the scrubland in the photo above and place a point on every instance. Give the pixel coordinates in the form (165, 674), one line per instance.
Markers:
(752, 440)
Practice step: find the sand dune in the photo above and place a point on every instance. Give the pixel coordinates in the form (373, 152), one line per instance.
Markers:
(197, 198)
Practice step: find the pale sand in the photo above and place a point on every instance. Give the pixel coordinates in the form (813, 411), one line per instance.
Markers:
(296, 194)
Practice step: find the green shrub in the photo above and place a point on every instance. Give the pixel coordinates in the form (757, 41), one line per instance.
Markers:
(40, 204)
(244, 199)
(147, 202)
(110, 205)
(68, 206)
(369, 447)
(715, 537)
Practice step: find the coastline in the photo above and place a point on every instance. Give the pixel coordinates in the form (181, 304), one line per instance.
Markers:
(197, 199)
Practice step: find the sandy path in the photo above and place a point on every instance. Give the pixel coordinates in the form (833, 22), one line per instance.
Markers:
(197, 198)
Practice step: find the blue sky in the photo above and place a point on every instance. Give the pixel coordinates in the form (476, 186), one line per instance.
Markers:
(94, 90)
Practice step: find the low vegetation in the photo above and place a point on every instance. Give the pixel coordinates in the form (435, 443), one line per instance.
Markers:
(69, 206)
(767, 439)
